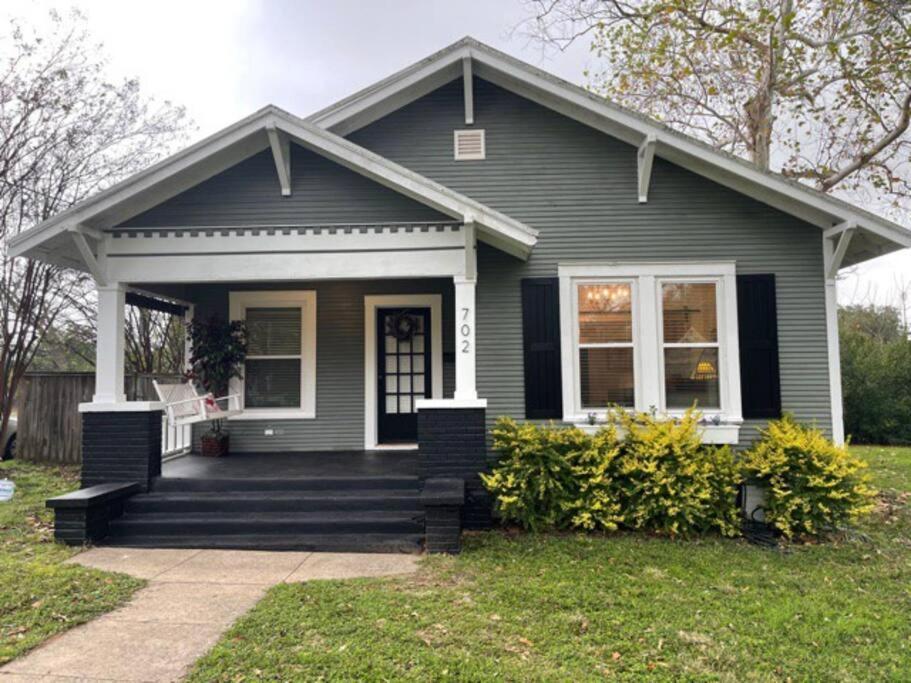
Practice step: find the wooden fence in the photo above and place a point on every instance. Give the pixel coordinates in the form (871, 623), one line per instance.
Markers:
(50, 426)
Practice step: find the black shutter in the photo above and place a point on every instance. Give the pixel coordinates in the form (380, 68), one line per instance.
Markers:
(541, 345)
(760, 388)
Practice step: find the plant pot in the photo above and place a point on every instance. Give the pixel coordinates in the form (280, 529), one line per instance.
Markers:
(214, 445)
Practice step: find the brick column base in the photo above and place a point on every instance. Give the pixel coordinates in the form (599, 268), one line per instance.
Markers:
(451, 443)
(121, 447)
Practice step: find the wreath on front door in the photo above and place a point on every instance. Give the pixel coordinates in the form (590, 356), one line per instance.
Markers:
(402, 326)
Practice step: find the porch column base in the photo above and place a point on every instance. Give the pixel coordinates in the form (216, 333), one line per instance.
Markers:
(121, 443)
(452, 444)
(442, 500)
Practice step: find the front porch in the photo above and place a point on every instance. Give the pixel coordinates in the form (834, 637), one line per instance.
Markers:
(295, 465)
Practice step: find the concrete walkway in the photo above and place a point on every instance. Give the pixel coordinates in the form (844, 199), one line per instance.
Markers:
(192, 597)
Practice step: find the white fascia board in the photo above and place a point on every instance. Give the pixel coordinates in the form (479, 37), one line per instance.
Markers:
(393, 92)
(156, 176)
(566, 98)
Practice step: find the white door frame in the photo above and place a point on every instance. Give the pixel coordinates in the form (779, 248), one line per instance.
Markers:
(432, 301)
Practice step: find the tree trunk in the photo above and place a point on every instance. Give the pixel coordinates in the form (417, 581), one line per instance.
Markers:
(760, 107)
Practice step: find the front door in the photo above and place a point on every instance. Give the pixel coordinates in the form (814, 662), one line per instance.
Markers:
(403, 371)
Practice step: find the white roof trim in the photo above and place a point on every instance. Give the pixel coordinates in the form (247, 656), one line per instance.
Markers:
(550, 91)
(248, 136)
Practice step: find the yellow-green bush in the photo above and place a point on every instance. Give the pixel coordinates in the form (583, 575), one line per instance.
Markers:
(552, 477)
(811, 484)
(669, 482)
(658, 477)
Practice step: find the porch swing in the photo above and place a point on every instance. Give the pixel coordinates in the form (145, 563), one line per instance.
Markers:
(184, 405)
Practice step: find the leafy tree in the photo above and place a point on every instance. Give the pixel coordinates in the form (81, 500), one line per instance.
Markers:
(876, 374)
(822, 88)
(66, 132)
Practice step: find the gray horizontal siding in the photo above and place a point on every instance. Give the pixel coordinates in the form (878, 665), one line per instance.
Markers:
(339, 423)
(578, 188)
(322, 192)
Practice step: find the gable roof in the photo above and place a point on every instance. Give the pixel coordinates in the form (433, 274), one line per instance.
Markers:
(51, 242)
(875, 235)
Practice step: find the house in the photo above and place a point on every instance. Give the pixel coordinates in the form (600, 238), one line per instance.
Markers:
(468, 238)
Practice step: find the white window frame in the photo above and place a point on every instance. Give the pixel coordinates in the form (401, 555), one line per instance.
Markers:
(722, 424)
(634, 343)
(720, 315)
(239, 302)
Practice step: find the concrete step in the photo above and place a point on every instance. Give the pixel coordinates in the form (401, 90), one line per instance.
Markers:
(340, 543)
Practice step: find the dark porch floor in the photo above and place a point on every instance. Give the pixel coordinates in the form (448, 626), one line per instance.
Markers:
(295, 465)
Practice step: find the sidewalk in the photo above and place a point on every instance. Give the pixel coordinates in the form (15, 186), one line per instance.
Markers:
(192, 597)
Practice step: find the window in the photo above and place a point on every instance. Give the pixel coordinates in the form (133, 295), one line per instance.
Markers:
(606, 344)
(690, 339)
(272, 372)
(279, 375)
(646, 336)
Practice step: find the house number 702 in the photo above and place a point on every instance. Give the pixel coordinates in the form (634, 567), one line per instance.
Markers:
(465, 330)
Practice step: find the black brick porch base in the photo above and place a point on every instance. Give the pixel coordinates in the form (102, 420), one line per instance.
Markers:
(121, 447)
(451, 443)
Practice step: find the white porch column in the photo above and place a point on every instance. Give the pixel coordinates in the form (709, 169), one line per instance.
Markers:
(110, 343)
(465, 386)
(834, 350)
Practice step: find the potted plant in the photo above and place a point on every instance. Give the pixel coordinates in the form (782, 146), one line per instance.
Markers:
(217, 350)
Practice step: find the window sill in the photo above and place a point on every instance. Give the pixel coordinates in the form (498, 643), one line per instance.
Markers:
(272, 414)
(711, 433)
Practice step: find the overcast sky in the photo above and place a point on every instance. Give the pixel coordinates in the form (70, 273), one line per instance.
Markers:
(224, 59)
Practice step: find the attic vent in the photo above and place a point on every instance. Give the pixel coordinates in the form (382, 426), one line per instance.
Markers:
(469, 144)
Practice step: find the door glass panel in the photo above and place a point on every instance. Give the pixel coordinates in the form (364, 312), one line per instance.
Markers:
(405, 364)
(392, 405)
(390, 364)
(405, 404)
(418, 344)
(418, 384)
(390, 344)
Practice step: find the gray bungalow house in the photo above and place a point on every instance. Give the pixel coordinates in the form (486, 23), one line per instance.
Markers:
(468, 238)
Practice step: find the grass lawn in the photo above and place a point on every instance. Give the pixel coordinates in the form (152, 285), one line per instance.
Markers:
(39, 596)
(578, 607)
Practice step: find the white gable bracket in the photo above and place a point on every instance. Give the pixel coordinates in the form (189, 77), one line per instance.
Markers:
(645, 157)
(281, 152)
(838, 255)
(837, 230)
(88, 256)
(468, 88)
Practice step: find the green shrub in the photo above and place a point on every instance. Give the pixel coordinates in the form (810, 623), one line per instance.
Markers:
(812, 484)
(670, 482)
(658, 477)
(553, 477)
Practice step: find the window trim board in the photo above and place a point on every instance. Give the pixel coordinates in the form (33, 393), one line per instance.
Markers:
(238, 303)
(648, 332)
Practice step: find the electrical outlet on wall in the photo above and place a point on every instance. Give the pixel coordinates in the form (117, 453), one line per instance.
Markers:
(273, 431)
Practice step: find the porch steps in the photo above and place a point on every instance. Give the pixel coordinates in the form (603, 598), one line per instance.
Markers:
(277, 501)
(340, 514)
